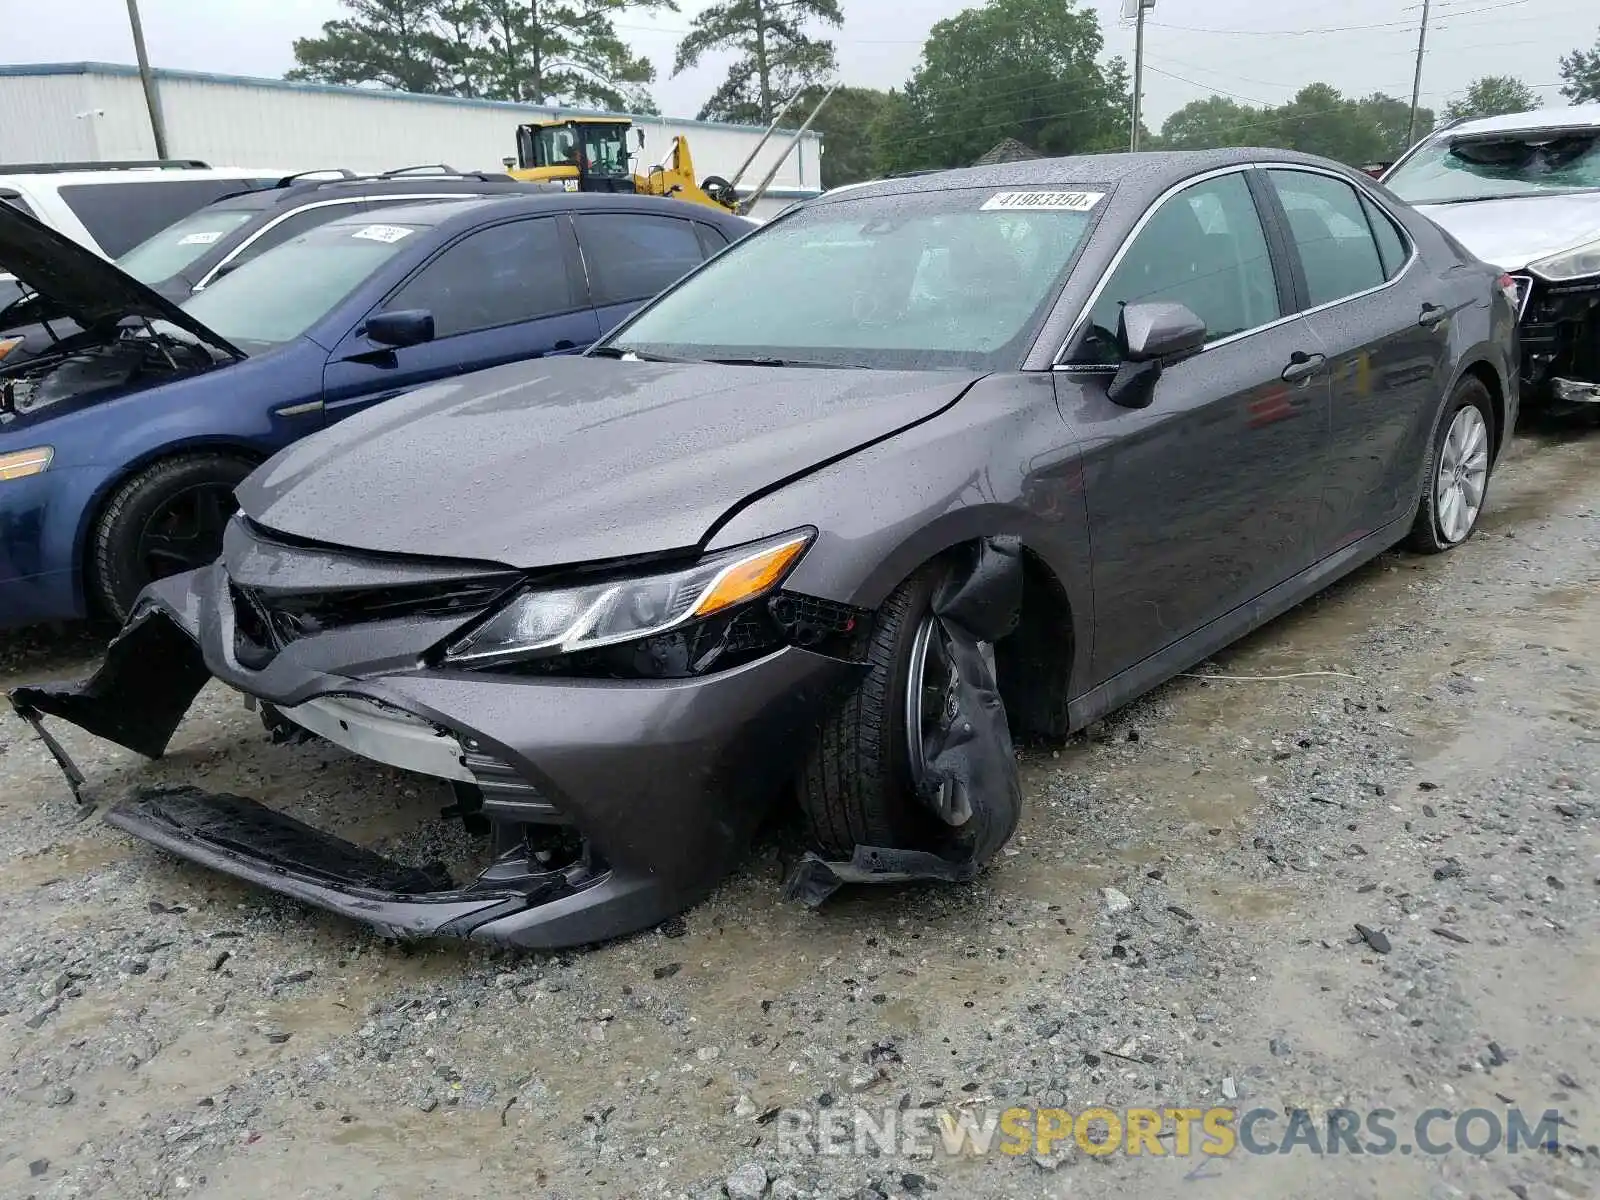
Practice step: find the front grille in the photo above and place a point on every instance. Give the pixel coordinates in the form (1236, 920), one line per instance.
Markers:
(266, 623)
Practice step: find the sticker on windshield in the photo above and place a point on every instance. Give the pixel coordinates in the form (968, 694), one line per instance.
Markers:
(383, 233)
(1042, 201)
(200, 239)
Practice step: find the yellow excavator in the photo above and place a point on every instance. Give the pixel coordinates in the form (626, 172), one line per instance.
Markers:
(592, 154)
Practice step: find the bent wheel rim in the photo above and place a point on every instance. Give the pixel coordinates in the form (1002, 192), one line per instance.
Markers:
(185, 531)
(1461, 475)
(930, 688)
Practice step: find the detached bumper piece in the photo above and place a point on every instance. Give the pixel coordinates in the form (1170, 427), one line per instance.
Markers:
(249, 841)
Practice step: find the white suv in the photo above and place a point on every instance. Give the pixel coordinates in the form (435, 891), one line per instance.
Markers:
(112, 207)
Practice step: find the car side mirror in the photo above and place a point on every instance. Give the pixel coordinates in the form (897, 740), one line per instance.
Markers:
(403, 327)
(1147, 336)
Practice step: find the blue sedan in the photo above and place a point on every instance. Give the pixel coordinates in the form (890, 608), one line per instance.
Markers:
(120, 446)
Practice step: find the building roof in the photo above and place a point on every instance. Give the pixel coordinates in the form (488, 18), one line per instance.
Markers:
(1006, 151)
(36, 70)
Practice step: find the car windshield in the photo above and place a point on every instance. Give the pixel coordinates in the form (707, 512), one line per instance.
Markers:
(157, 259)
(930, 280)
(1487, 167)
(276, 297)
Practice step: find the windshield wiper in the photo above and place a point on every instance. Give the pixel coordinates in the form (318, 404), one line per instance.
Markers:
(630, 352)
(767, 360)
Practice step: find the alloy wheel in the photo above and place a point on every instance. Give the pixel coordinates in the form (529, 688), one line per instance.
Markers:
(1462, 474)
(185, 532)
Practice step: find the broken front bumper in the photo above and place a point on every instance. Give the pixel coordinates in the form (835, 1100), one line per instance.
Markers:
(1560, 334)
(665, 780)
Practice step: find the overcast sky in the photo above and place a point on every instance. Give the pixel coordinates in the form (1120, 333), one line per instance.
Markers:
(1193, 48)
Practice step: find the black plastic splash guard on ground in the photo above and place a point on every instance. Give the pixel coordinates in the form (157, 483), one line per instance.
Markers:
(151, 674)
(971, 761)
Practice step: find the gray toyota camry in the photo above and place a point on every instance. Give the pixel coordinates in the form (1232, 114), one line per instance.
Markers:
(916, 469)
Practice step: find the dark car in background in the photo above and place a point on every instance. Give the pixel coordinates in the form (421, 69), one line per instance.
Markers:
(913, 465)
(121, 444)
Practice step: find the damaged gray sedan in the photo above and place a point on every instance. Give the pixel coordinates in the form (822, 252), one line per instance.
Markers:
(914, 469)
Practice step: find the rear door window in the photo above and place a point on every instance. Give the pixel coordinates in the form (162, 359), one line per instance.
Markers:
(1329, 229)
(633, 256)
(1391, 243)
(497, 276)
(121, 215)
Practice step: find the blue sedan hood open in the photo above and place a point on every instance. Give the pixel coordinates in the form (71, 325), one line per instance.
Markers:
(572, 460)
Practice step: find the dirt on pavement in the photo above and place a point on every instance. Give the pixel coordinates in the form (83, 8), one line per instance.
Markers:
(1417, 752)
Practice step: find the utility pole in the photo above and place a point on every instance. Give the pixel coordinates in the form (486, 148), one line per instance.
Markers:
(150, 100)
(1416, 82)
(1139, 8)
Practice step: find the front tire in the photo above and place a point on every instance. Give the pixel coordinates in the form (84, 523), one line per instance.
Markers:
(167, 519)
(1460, 460)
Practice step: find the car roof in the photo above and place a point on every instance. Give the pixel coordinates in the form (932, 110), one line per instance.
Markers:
(475, 210)
(1141, 175)
(1574, 116)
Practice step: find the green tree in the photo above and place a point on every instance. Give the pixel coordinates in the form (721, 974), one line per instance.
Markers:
(1216, 121)
(1492, 96)
(775, 55)
(1321, 121)
(562, 52)
(1027, 69)
(1392, 119)
(394, 43)
(1581, 70)
(847, 124)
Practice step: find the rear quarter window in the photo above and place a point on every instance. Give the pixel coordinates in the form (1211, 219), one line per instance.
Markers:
(121, 215)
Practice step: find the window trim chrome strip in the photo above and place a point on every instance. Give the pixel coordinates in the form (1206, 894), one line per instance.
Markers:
(1237, 168)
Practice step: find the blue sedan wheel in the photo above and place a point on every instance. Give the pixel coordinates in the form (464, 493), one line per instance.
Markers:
(167, 519)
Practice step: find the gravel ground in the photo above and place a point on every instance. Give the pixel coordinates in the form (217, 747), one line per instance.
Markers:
(1175, 925)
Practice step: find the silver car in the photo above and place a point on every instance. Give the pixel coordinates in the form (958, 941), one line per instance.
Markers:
(1523, 192)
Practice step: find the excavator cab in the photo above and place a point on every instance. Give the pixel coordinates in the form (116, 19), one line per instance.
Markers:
(584, 154)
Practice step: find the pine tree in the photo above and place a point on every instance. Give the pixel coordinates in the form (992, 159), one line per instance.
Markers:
(776, 56)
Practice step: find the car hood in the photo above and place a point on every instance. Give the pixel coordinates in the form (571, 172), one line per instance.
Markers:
(75, 283)
(1514, 232)
(572, 460)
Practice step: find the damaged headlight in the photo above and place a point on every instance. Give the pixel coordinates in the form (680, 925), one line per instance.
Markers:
(1576, 263)
(592, 615)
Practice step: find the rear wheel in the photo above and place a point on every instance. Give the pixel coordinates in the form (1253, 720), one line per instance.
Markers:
(1460, 460)
(165, 520)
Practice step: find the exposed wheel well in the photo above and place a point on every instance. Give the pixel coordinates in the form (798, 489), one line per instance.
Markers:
(1034, 662)
(1490, 378)
(96, 511)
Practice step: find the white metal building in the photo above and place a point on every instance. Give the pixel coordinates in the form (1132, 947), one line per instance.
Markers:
(94, 112)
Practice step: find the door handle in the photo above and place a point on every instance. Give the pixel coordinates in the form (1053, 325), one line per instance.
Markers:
(1302, 366)
(1432, 314)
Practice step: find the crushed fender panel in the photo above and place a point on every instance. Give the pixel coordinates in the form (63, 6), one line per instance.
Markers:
(151, 674)
(971, 781)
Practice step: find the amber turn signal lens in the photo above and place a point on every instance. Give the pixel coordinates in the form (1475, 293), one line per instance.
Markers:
(750, 577)
(25, 462)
